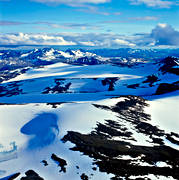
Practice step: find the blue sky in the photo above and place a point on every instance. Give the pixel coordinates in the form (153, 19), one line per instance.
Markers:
(124, 17)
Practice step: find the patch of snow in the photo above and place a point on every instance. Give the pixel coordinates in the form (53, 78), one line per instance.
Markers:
(162, 164)
(168, 143)
(164, 113)
(25, 55)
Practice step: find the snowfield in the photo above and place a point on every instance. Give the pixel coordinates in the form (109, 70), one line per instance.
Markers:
(102, 121)
(42, 141)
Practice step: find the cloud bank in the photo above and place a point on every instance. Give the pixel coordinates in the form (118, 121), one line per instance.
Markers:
(162, 34)
(33, 39)
(83, 3)
(154, 3)
(165, 35)
(72, 2)
(149, 3)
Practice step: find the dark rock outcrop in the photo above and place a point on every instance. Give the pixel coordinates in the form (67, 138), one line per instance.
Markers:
(151, 79)
(84, 177)
(111, 82)
(45, 163)
(59, 87)
(108, 153)
(61, 162)
(31, 175)
(166, 88)
(169, 64)
(11, 177)
(11, 89)
(133, 86)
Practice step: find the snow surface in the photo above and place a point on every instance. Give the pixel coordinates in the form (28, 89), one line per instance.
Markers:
(36, 127)
(160, 110)
(28, 118)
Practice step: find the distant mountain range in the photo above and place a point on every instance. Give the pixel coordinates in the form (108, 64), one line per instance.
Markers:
(13, 59)
(15, 62)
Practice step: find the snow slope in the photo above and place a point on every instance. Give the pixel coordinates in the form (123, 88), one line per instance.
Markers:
(51, 109)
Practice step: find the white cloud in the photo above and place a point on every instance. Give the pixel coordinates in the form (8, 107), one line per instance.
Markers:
(123, 42)
(87, 43)
(162, 25)
(33, 39)
(77, 25)
(154, 3)
(11, 23)
(117, 13)
(73, 2)
(132, 19)
(93, 10)
(88, 39)
(161, 35)
(165, 34)
(145, 18)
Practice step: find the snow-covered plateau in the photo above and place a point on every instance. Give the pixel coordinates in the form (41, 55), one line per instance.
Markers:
(74, 114)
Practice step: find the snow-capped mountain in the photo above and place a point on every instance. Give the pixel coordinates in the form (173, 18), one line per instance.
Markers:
(50, 55)
(170, 64)
(19, 60)
(150, 54)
